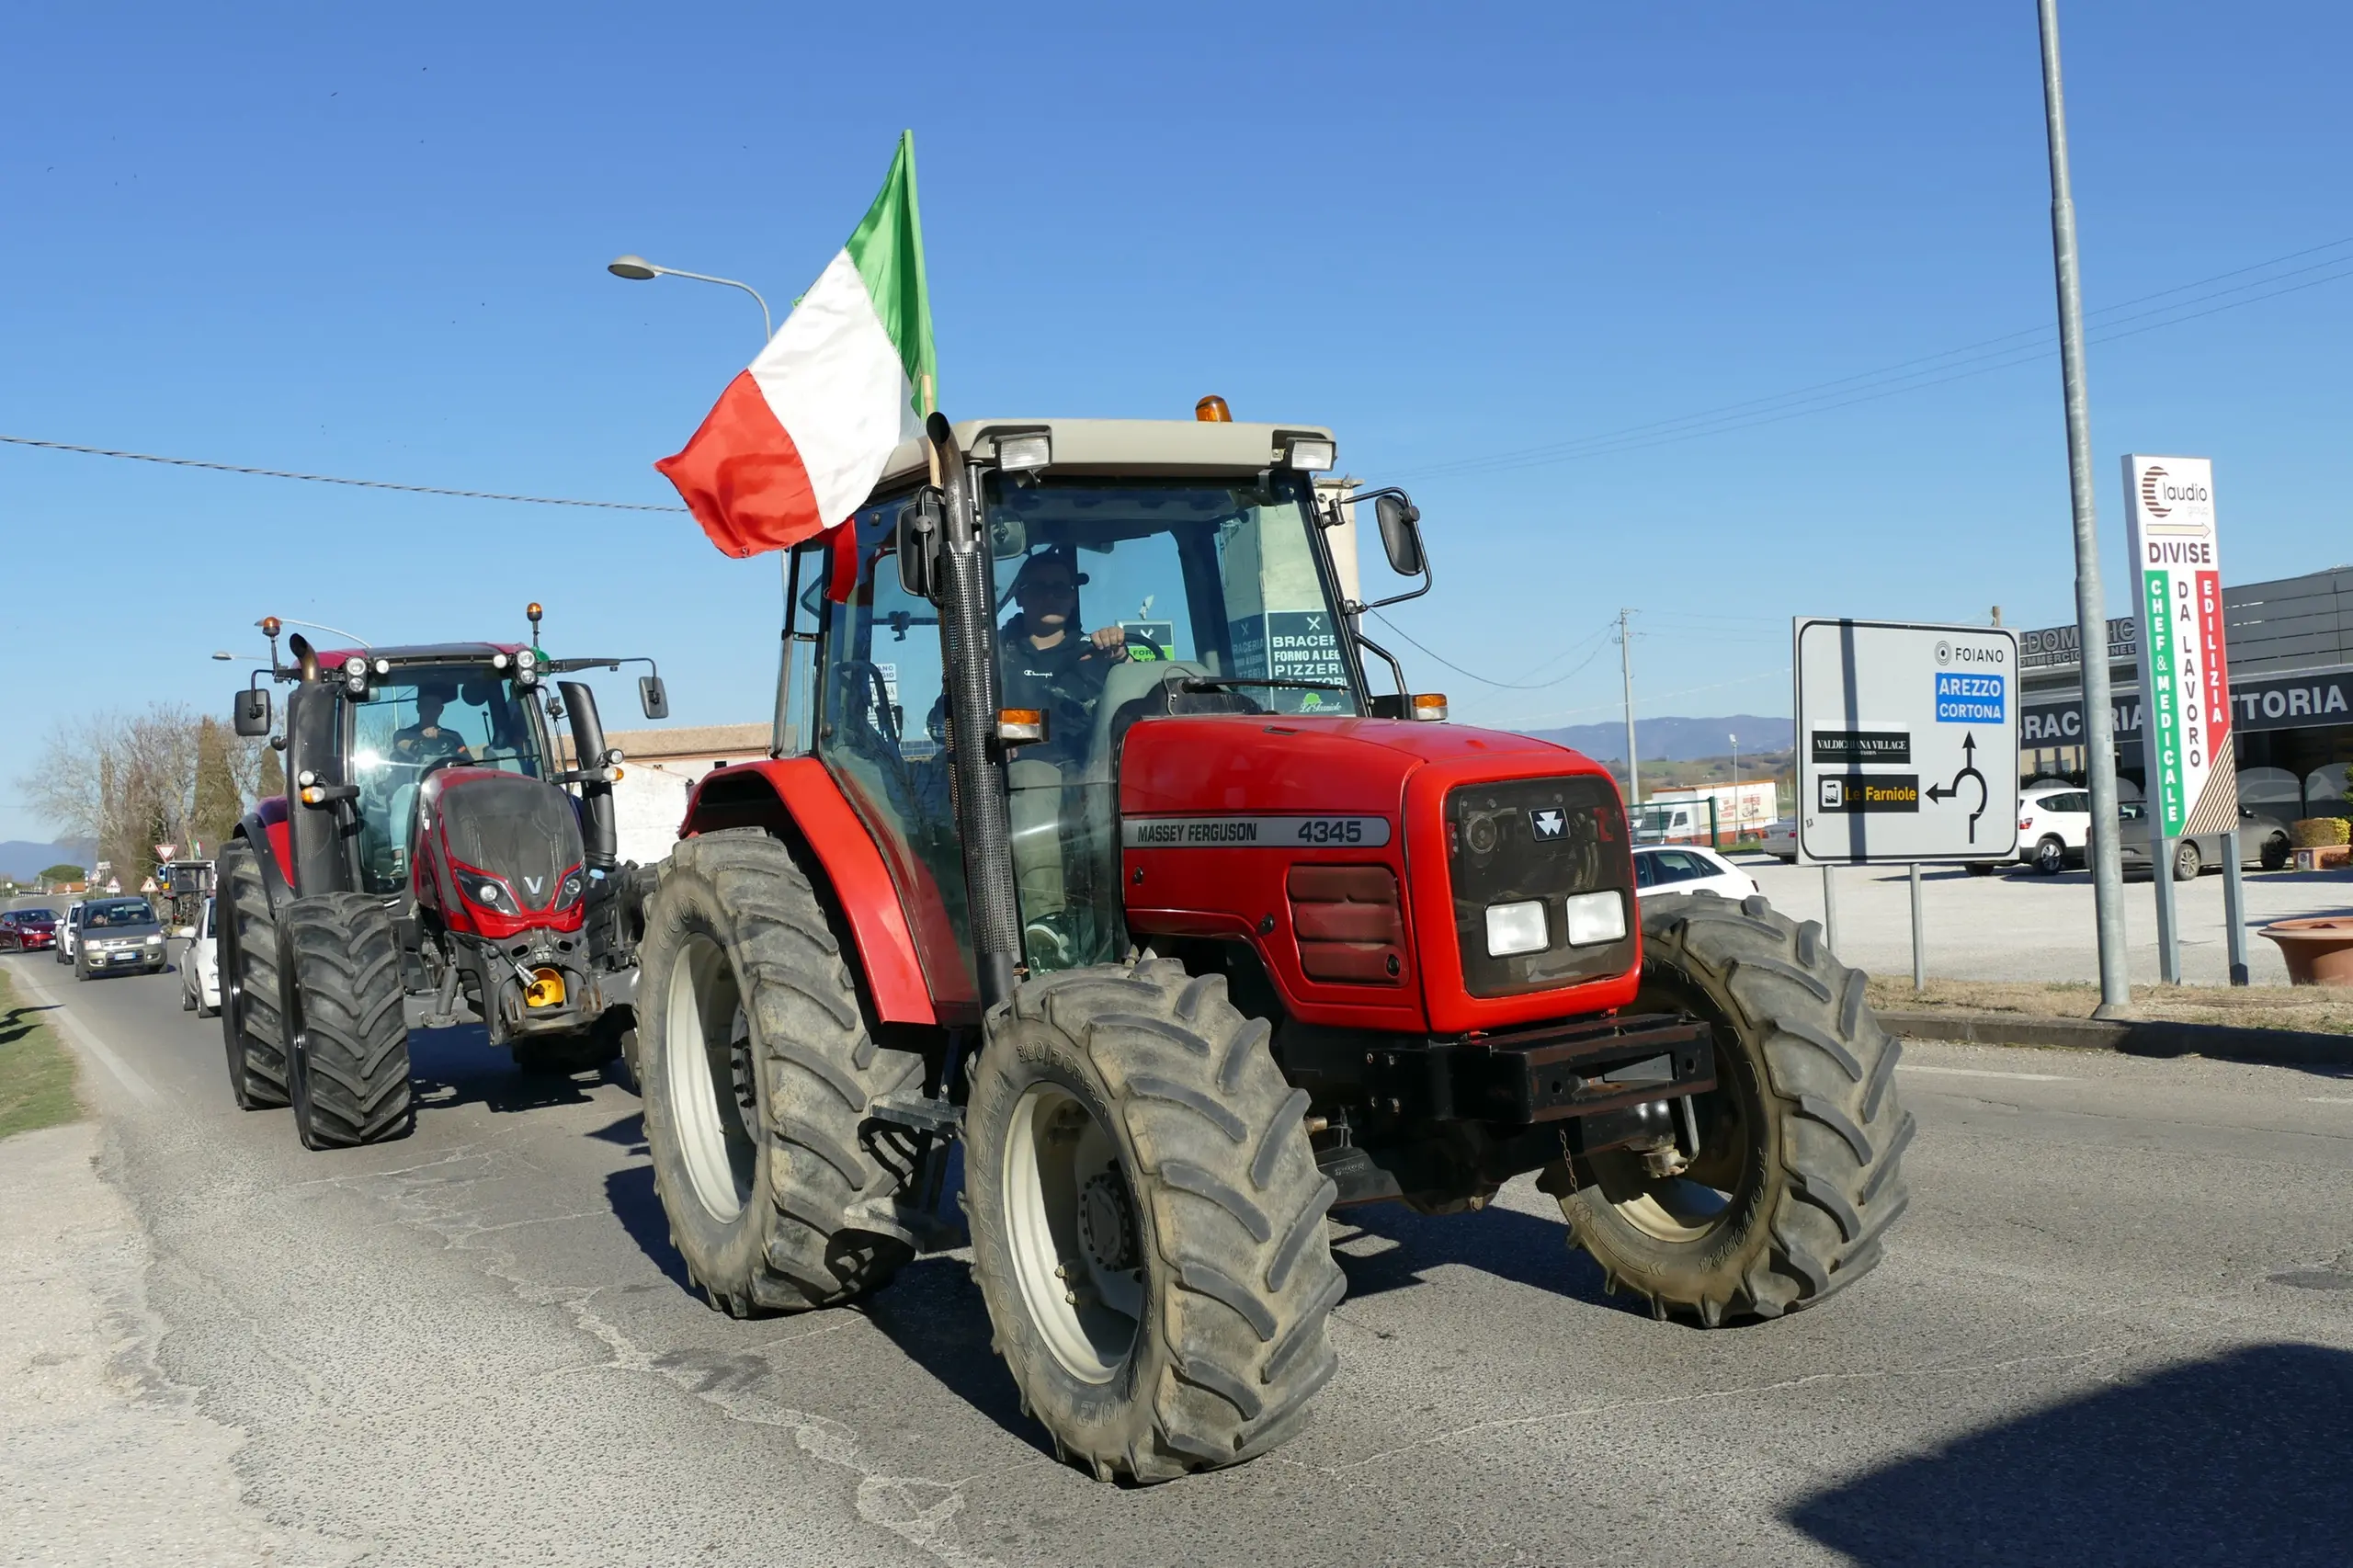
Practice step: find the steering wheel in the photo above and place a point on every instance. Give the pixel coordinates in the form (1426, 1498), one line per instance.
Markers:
(441, 762)
(1158, 653)
(883, 719)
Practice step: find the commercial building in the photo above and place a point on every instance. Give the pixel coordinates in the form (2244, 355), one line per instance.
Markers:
(2288, 647)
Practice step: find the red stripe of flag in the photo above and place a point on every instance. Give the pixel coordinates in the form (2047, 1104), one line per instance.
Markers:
(742, 478)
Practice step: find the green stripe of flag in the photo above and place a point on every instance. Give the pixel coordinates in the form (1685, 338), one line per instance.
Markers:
(887, 250)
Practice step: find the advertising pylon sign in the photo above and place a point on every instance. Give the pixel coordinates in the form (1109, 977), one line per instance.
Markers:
(2192, 780)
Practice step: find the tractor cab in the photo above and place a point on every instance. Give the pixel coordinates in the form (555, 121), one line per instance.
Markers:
(1196, 580)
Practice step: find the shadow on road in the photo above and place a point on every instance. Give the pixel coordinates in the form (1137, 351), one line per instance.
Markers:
(933, 1312)
(2238, 1459)
(639, 1208)
(1523, 1248)
(457, 1066)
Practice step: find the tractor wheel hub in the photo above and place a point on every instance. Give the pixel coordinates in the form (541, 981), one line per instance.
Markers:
(1106, 1226)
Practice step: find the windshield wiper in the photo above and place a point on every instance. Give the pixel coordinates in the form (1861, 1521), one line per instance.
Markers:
(1211, 683)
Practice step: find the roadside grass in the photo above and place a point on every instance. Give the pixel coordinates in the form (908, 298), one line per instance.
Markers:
(36, 1070)
(2319, 1010)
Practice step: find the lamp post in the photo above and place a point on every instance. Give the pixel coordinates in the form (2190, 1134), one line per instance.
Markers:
(637, 270)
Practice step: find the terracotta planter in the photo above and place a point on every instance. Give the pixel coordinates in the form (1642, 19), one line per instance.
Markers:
(2319, 952)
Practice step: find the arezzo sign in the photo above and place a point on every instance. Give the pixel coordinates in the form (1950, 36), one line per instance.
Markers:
(2185, 681)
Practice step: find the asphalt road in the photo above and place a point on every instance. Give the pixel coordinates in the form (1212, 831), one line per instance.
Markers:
(2116, 1326)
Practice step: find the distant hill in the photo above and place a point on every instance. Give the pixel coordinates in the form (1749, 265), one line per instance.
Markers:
(23, 858)
(1675, 739)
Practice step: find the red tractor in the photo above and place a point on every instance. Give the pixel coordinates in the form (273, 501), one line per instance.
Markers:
(433, 862)
(1190, 937)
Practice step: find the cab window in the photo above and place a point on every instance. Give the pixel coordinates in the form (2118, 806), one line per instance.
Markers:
(416, 721)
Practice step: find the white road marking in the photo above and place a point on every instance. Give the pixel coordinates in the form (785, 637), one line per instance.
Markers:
(2324, 1099)
(1983, 1072)
(92, 1046)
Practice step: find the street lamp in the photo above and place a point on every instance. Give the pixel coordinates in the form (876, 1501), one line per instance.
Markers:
(637, 270)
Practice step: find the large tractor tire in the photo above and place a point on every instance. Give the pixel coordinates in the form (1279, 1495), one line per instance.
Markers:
(250, 1024)
(350, 1078)
(758, 1068)
(1796, 1179)
(1147, 1222)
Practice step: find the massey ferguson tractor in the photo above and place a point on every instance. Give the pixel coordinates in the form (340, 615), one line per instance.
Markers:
(1086, 841)
(431, 862)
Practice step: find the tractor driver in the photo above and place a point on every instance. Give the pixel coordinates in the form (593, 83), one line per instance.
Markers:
(1049, 662)
(426, 741)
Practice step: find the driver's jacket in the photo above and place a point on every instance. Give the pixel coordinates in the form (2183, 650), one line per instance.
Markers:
(1064, 682)
(415, 745)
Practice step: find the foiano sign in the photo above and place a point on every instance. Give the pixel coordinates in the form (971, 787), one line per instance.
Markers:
(2191, 779)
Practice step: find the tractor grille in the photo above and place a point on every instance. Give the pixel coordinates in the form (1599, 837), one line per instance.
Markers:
(517, 829)
(1542, 839)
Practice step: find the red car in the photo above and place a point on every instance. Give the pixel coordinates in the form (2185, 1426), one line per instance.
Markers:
(27, 930)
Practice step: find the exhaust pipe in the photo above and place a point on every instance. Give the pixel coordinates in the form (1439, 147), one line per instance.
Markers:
(967, 636)
(599, 836)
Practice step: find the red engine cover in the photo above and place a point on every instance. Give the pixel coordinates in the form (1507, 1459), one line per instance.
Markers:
(437, 889)
(1213, 779)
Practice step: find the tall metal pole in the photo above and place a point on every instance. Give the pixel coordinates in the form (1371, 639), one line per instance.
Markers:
(1626, 668)
(2091, 606)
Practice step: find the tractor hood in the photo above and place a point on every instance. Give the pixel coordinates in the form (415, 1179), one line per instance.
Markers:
(1230, 761)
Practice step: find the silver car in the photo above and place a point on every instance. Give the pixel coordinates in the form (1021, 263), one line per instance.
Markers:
(2263, 841)
(119, 935)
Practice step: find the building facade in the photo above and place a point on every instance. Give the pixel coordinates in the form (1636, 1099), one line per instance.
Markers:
(2288, 647)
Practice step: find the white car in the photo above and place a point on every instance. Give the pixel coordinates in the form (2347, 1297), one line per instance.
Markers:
(69, 932)
(1780, 840)
(2054, 826)
(200, 969)
(1688, 869)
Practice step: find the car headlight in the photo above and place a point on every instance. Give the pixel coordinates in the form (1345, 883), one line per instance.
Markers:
(1516, 929)
(1596, 917)
(156, 940)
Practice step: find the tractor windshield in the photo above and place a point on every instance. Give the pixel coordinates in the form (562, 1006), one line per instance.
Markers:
(1110, 593)
(417, 719)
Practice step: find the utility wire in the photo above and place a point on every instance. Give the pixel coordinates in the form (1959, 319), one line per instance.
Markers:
(1504, 684)
(1935, 370)
(331, 479)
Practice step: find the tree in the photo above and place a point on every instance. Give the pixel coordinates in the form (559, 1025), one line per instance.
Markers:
(64, 873)
(218, 802)
(270, 777)
(126, 780)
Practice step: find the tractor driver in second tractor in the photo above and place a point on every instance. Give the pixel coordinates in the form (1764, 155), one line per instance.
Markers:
(426, 741)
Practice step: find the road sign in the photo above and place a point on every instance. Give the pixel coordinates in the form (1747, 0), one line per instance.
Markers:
(2185, 681)
(165, 851)
(1907, 741)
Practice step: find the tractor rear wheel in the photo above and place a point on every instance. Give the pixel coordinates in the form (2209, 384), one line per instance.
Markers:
(1796, 1177)
(350, 1077)
(250, 1025)
(757, 1068)
(1147, 1221)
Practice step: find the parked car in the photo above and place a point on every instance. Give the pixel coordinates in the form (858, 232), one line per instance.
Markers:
(2054, 826)
(1688, 869)
(1780, 840)
(200, 969)
(27, 930)
(2263, 842)
(69, 929)
(117, 935)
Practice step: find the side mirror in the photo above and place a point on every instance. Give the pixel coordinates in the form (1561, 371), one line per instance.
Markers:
(916, 543)
(250, 714)
(653, 697)
(1401, 533)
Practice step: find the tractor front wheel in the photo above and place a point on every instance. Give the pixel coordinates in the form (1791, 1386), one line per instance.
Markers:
(1795, 1178)
(757, 1068)
(250, 1022)
(1147, 1221)
(350, 1077)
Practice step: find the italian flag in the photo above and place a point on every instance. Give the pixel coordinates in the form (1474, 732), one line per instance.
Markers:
(797, 441)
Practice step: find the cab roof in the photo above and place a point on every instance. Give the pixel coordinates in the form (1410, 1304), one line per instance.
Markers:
(1178, 448)
(422, 654)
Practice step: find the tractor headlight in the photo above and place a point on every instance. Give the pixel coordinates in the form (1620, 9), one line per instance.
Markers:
(568, 893)
(488, 891)
(1596, 918)
(1516, 929)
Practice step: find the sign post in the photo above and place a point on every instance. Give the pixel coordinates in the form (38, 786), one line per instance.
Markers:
(2191, 787)
(1907, 743)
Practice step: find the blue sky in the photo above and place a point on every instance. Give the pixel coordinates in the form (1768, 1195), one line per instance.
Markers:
(371, 242)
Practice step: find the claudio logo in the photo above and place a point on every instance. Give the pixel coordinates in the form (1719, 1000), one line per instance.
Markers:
(2161, 494)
